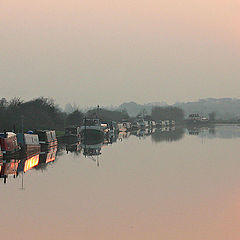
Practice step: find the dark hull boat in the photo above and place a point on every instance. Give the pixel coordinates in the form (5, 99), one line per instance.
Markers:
(92, 134)
(72, 135)
(91, 130)
(47, 139)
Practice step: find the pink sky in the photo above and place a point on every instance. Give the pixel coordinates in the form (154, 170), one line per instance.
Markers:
(76, 51)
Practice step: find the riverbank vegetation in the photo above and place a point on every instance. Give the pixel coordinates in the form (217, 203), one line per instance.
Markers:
(39, 113)
(44, 113)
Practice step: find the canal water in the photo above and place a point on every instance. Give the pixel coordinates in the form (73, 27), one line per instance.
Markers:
(174, 184)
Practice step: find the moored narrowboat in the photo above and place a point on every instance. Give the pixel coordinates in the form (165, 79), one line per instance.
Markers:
(29, 143)
(47, 138)
(72, 135)
(9, 145)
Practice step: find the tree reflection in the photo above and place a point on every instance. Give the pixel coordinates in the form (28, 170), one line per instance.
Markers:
(168, 134)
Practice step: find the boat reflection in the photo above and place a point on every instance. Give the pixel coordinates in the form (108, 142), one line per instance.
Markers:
(216, 131)
(47, 157)
(31, 163)
(92, 150)
(13, 167)
(123, 135)
(110, 139)
(9, 168)
(74, 148)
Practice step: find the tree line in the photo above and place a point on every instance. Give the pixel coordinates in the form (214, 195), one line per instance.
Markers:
(44, 113)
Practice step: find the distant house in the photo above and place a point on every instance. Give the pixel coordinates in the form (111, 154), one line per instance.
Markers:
(195, 117)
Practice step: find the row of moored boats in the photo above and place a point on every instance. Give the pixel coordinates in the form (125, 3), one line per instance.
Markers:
(22, 144)
(95, 129)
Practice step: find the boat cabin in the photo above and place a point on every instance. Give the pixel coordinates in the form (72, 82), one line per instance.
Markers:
(8, 142)
(46, 136)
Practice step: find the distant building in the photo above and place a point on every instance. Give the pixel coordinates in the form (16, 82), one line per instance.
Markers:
(195, 118)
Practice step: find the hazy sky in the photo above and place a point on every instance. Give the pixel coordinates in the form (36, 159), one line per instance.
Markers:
(107, 52)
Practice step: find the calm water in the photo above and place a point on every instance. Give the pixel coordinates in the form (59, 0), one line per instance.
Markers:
(177, 185)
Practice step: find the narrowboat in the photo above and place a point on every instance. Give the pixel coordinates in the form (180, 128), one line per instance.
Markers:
(9, 145)
(91, 129)
(47, 138)
(72, 135)
(29, 143)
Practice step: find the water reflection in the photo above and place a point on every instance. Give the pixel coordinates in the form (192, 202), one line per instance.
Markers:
(143, 133)
(75, 148)
(92, 149)
(195, 130)
(216, 131)
(46, 157)
(13, 167)
(168, 134)
(148, 186)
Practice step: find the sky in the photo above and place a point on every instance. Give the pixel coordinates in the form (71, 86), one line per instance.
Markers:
(109, 52)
